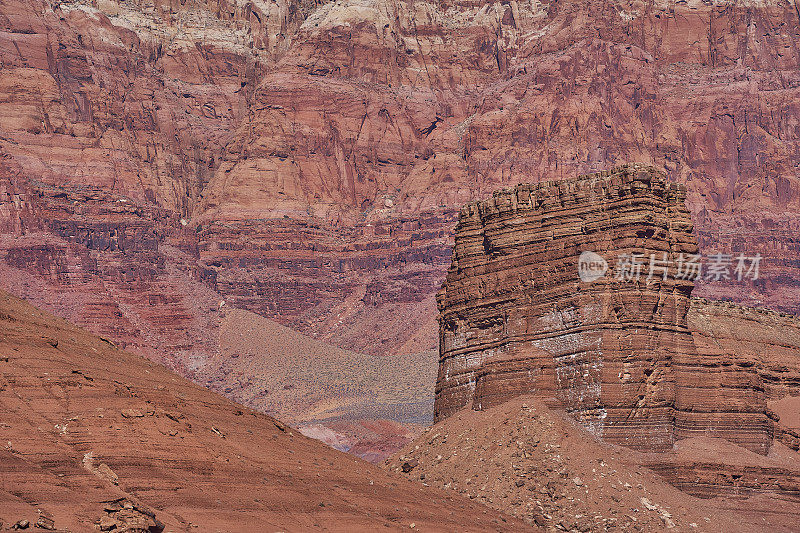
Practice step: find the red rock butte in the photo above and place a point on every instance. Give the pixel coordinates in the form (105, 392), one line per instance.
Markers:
(618, 354)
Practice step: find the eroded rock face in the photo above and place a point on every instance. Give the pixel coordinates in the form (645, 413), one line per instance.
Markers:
(617, 353)
(113, 116)
(305, 160)
(729, 337)
(317, 153)
(385, 112)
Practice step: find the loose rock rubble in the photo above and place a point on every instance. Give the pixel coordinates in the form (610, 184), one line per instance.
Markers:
(535, 463)
(124, 515)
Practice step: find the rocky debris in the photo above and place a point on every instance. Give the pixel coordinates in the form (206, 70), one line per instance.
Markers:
(125, 515)
(538, 464)
(45, 522)
(21, 524)
(408, 466)
(101, 470)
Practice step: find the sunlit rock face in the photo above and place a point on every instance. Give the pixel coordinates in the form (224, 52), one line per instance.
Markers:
(311, 156)
(306, 160)
(113, 115)
(616, 351)
(333, 208)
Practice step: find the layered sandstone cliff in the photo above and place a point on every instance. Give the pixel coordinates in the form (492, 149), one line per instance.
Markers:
(113, 114)
(306, 160)
(313, 156)
(616, 352)
(387, 116)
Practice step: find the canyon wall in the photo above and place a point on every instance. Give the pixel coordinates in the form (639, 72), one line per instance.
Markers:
(617, 351)
(306, 160)
(113, 116)
(387, 116)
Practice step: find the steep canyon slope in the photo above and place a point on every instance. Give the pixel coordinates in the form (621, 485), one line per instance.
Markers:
(389, 115)
(95, 438)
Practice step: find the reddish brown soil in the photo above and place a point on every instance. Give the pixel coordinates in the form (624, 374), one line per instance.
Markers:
(540, 465)
(788, 411)
(87, 428)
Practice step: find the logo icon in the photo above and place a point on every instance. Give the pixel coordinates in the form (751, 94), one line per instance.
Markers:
(591, 267)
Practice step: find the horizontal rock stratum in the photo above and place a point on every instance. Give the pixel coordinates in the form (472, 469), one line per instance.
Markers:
(305, 161)
(617, 353)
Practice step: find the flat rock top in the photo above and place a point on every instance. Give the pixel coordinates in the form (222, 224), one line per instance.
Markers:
(87, 429)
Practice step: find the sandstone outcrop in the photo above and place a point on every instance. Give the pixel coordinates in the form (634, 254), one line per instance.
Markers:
(368, 124)
(305, 160)
(708, 390)
(185, 458)
(616, 352)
